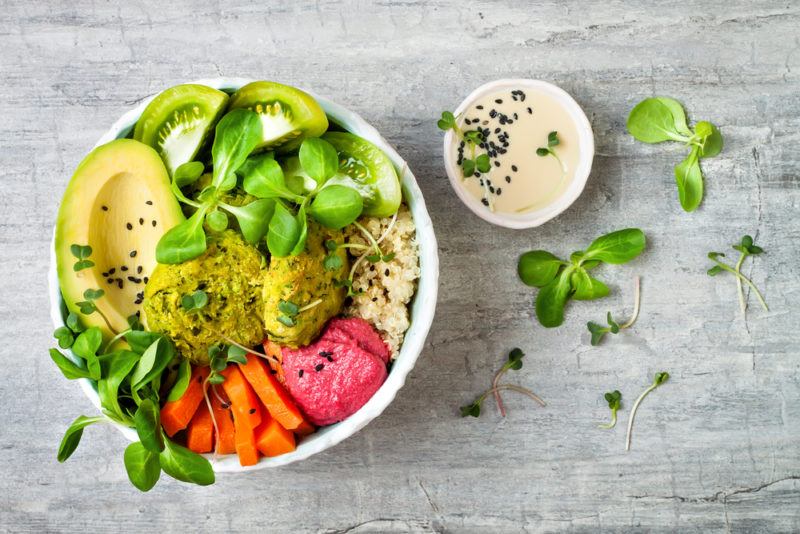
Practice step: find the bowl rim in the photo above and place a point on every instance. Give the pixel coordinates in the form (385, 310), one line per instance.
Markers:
(544, 214)
(422, 307)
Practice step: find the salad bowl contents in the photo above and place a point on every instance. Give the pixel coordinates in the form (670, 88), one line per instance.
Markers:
(243, 276)
(517, 152)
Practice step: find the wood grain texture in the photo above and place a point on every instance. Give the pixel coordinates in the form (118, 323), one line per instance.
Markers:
(716, 449)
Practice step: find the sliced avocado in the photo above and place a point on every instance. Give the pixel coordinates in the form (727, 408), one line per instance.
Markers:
(178, 121)
(119, 203)
(288, 115)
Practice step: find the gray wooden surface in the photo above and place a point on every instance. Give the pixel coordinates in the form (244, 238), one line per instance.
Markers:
(716, 449)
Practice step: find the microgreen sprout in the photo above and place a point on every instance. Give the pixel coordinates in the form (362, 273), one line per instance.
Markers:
(194, 301)
(473, 139)
(659, 379)
(746, 248)
(599, 331)
(514, 362)
(82, 254)
(614, 400)
(88, 306)
(544, 151)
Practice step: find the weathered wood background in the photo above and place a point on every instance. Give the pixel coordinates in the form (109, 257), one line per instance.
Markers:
(716, 449)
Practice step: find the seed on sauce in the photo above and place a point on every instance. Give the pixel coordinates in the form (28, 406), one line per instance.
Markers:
(514, 168)
(498, 100)
(508, 179)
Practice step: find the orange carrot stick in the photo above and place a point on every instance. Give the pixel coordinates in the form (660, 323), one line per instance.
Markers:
(274, 350)
(243, 400)
(175, 415)
(275, 398)
(245, 440)
(272, 439)
(200, 435)
(226, 441)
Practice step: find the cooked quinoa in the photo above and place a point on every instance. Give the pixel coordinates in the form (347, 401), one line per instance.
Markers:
(387, 286)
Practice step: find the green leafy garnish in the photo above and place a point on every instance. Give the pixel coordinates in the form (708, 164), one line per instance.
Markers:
(614, 400)
(81, 253)
(552, 141)
(746, 248)
(479, 163)
(655, 120)
(560, 280)
(598, 331)
(659, 379)
(194, 301)
(514, 363)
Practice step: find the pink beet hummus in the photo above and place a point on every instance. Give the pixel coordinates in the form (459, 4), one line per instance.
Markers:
(335, 376)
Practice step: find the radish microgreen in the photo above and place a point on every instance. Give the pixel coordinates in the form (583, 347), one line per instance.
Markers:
(475, 164)
(552, 141)
(746, 248)
(659, 379)
(598, 331)
(514, 362)
(614, 400)
(82, 253)
(194, 301)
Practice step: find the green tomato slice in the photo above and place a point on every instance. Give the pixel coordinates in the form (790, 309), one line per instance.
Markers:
(366, 168)
(178, 122)
(288, 115)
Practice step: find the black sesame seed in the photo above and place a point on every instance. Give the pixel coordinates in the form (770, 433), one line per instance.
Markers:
(133, 254)
(374, 299)
(498, 100)
(119, 282)
(139, 269)
(124, 268)
(273, 372)
(467, 121)
(499, 191)
(515, 116)
(491, 189)
(134, 280)
(325, 353)
(104, 208)
(104, 275)
(110, 281)
(493, 113)
(386, 272)
(252, 411)
(112, 270)
(149, 202)
(146, 279)
(330, 358)
(300, 373)
(154, 222)
(129, 226)
(141, 221)
(508, 179)
(485, 202)
(530, 111)
(478, 107)
(319, 367)
(496, 163)
(497, 130)
(514, 168)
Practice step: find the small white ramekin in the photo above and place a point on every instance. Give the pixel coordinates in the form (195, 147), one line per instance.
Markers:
(422, 307)
(586, 151)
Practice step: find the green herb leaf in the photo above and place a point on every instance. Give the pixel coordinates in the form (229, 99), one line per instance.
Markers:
(216, 379)
(678, 115)
(182, 464)
(336, 206)
(471, 410)
(253, 218)
(74, 324)
(552, 297)
(86, 346)
(64, 337)
(148, 426)
(188, 173)
(542, 152)
(332, 262)
(482, 163)
(286, 320)
(181, 382)
(115, 369)
(237, 355)
(81, 265)
(467, 167)
(319, 159)
(183, 242)
(72, 437)
(237, 134)
(263, 178)
(140, 340)
(598, 332)
(552, 139)
(289, 308)
(142, 465)
(302, 220)
(652, 121)
(284, 231)
(93, 294)
(689, 179)
(447, 121)
(617, 247)
(515, 359)
(712, 144)
(538, 268)
(68, 368)
(217, 221)
(585, 287)
(195, 300)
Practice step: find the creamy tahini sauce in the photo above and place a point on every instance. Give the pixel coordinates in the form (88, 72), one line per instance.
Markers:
(514, 123)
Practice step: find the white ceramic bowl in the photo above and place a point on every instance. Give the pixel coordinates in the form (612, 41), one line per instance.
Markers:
(586, 150)
(422, 307)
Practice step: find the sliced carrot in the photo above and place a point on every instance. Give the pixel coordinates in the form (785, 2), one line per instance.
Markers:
(245, 440)
(175, 415)
(274, 350)
(272, 439)
(243, 400)
(275, 398)
(304, 429)
(224, 417)
(200, 435)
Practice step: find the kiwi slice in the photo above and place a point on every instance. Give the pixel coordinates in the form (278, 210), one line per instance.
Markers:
(178, 121)
(288, 115)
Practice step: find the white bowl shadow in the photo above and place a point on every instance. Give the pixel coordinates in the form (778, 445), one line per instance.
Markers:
(422, 307)
(540, 216)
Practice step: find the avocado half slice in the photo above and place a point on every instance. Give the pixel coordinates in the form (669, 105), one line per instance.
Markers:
(119, 203)
(178, 122)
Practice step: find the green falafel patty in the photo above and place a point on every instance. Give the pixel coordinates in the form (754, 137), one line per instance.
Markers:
(231, 273)
(304, 281)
